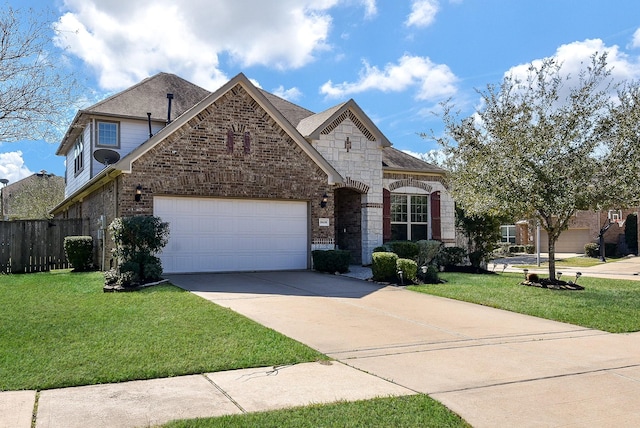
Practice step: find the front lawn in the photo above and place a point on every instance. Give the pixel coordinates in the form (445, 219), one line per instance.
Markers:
(59, 329)
(605, 304)
(411, 411)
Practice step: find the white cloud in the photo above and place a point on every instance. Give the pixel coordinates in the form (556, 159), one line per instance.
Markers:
(370, 8)
(635, 43)
(575, 57)
(423, 13)
(124, 41)
(433, 81)
(12, 166)
(291, 94)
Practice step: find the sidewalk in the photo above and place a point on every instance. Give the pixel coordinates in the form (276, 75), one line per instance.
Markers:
(152, 402)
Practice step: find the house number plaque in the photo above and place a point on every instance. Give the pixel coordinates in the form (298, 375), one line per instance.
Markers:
(324, 222)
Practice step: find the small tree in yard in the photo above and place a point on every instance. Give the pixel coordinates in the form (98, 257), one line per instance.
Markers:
(482, 232)
(547, 146)
(137, 241)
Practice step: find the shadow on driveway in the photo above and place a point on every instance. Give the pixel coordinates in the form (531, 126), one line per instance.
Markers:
(283, 283)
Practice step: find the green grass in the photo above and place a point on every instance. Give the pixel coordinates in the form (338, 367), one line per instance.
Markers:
(605, 304)
(410, 411)
(59, 329)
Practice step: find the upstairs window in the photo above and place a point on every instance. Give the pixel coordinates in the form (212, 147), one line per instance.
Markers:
(78, 155)
(107, 134)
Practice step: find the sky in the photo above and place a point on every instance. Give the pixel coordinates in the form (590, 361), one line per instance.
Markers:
(397, 59)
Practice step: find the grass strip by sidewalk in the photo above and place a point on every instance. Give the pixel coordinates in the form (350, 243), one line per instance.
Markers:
(605, 304)
(410, 411)
(59, 329)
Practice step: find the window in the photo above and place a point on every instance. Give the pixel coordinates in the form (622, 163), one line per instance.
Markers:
(409, 217)
(78, 155)
(508, 233)
(107, 134)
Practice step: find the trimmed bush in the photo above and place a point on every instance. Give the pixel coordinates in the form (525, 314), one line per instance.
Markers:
(427, 251)
(592, 250)
(331, 260)
(380, 249)
(384, 266)
(529, 248)
(610, 249)
(631, 233)
(404, 249)
(79, 251)
(409, 269)
(450, 256)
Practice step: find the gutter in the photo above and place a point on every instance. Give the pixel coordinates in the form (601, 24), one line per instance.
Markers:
(105, 176)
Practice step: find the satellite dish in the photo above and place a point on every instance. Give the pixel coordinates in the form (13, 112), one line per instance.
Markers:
(106, 156)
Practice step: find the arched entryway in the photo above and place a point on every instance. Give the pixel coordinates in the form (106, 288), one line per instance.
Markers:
(348, 223)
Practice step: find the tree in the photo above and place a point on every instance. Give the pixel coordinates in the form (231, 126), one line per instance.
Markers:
(33, 197)
(482, 232)
(36, 96)
(545, 147)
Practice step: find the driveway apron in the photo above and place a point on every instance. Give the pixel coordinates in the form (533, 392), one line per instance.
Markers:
(492, 367)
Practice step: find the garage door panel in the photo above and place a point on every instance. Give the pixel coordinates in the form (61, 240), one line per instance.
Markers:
(214, 235)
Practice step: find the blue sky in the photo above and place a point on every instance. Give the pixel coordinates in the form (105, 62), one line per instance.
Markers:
(397, 59)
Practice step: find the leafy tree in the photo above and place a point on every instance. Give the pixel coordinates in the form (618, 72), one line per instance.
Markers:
(36, 96)
(482, 232)
(546, 146)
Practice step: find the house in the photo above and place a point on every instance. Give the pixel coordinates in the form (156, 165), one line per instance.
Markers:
(584, 228)
(247, 180)
(32, 197)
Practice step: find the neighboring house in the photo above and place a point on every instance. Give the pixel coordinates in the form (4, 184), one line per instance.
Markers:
(32, 197)
(247, 180)
(583, 229)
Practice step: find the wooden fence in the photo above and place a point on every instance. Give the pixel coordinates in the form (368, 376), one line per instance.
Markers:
(35, 245)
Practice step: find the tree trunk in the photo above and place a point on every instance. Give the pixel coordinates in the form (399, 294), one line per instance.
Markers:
(552, 255)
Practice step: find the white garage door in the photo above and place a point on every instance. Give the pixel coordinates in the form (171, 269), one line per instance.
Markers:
(222, 235)
(570, 241)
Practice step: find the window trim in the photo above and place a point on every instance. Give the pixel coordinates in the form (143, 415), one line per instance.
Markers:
(508, 235)
(111, 122)
(78, 155)
(409, 214)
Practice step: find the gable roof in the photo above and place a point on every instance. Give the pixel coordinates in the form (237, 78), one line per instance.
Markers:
(292, 112)
(147, 96)
(125, 164)
(393, 159)
(312, 126)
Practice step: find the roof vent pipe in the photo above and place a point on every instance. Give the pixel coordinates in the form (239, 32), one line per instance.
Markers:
(149, 121)
(169, 97)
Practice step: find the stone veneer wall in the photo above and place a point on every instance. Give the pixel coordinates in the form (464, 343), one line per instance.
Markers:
(361, 167)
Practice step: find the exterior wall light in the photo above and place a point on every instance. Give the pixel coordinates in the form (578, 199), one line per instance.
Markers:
(323, 202)
(138, 192)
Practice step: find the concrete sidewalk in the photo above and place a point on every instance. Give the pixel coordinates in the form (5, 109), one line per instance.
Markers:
(157, 401)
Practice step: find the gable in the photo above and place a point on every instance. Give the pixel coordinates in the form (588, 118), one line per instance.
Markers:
(253, 102)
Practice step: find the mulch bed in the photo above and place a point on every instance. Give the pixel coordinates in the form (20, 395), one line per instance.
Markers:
(553, 284)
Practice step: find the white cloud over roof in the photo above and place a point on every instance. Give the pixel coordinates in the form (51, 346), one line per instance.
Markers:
(12, 166)
(423, 13)
(125, 42)
(431, 81)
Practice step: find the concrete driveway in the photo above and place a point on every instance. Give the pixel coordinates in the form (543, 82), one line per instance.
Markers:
(494, 368)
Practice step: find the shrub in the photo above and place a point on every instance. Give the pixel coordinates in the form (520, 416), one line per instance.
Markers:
(137, 240)
(529, 248)
(404, 249)
(409, 269)
(380, 249)
(450, 256)
(430, 276)
(592, 250)
(384, 266)
(331, 260)
(79, 251)
(610, 249)
(427, 251)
